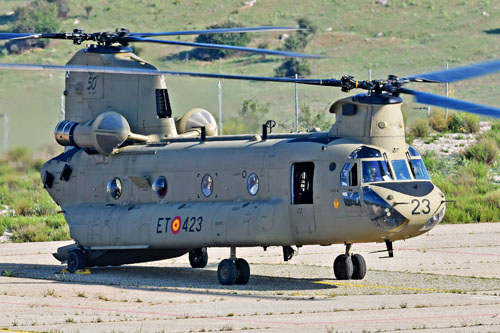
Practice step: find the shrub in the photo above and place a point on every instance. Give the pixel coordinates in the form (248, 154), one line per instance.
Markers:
(238, 39)
(485, 151)
(434, 163)
(420, 129)
(438, 121)
(463, 123)
(38, 16)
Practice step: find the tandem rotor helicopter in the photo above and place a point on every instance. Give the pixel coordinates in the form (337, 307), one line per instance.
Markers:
(136, 184)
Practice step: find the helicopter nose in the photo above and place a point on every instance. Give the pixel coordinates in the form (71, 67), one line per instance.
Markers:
(418, 205)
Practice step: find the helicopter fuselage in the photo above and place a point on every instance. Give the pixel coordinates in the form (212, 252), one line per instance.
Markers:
(311, 189)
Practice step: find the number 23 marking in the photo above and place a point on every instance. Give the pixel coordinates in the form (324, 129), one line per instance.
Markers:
(426, 207)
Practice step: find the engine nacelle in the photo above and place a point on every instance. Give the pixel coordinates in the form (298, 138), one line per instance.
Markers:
(195, 119)
(104, 133)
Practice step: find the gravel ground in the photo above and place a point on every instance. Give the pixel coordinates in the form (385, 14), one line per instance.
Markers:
(446, 280)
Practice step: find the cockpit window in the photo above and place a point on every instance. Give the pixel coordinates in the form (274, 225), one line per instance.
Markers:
(419, 170)
(375, 171)
(348, 175)
(401, 169)
(413, 152)
(364, 152)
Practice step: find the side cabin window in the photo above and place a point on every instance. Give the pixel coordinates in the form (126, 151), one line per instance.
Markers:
(302, 183)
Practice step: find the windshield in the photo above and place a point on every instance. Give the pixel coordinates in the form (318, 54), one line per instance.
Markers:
(375, 171)
(419, 170)
(401, 170)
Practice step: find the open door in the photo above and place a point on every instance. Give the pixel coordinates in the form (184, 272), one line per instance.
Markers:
(302, 197)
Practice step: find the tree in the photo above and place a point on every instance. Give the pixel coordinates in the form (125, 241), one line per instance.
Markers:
(38, 16)
(297, 42)
(249, 120)
(292, 66)
(238, 39)
(88, 10)
(309, 120)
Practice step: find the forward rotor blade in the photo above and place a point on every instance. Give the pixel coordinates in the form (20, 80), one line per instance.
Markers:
(457, 104)
(145, 71)
(16, 36)
(458, 73)
(222, 46)
(212, 31)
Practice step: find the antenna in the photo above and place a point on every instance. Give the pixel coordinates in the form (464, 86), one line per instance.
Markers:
(220, 108)
(63, 112)
(5, 131)
(296, 105)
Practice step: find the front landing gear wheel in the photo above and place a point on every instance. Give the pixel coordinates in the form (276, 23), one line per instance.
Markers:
(76, 261)
(359, 265)
(342, 267)
(198, 258)
(226, 272)
(242, 271)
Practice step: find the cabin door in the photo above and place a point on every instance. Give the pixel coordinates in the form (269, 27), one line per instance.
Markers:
(301, 197)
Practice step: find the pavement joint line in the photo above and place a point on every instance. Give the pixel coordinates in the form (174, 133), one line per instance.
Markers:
(432, 250)
(286, 323)
(381, 287)
(489, 298)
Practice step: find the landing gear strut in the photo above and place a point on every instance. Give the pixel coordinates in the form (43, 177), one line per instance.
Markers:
(349, 266)
(233, 271)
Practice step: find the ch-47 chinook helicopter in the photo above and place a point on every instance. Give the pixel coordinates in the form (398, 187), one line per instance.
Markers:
(136, 184)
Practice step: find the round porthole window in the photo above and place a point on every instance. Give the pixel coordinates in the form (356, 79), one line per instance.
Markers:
(160, 187)
(253, 184)
(207, 185)
(114, 188)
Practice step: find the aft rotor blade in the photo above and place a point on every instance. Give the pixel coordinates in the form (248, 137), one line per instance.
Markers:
(458, 73)
(457, 104)
(212, 31)
(145, 71)
(16, 36)
(222, 46)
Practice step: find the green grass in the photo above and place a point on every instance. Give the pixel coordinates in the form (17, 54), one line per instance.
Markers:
(35, 217)
(469, 181)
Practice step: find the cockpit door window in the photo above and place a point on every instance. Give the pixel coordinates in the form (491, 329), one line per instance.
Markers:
(419, 170)
(401, 170)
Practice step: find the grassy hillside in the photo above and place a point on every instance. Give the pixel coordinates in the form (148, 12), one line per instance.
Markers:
(403, 38)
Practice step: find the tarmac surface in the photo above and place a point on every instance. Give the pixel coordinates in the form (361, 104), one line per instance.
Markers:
(446, 280)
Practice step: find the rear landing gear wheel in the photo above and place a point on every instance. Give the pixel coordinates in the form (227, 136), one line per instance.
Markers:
(242, 271)
(198, 258)
(76, 261)
(359, 265)
(343, 267)
(226, 272)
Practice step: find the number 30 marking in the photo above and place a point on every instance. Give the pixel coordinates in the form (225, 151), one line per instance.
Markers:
(426, 207)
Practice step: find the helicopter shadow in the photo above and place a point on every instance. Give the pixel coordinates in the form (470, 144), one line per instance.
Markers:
(178, 279)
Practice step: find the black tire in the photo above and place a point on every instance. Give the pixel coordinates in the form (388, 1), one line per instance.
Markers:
(226, 272)
(242, 271)
(359, 265)
(198, 258)
(76, 261)
(342, 267)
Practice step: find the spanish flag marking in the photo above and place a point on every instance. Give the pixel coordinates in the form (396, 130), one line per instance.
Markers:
(176, 225)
